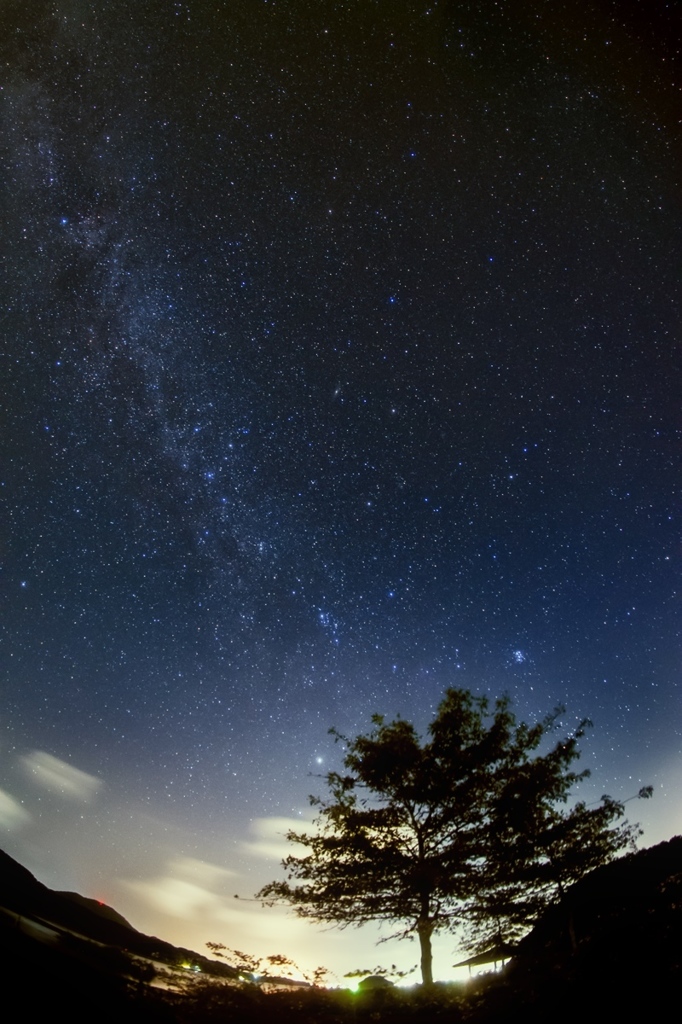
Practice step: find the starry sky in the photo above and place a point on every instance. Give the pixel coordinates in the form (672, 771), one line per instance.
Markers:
(340, 365)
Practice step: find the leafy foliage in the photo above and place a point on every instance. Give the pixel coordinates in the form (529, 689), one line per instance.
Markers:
(472, 825)
(249, 965)
(391, 972)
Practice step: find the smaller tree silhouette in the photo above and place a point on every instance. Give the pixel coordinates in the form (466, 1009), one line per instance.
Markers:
(251, 965)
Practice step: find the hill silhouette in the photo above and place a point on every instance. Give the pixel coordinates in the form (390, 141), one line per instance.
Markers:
(611, 946)
(66, 952)
(24, 895)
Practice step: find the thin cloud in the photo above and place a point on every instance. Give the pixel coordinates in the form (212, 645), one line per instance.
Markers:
(190, 889)
(12, 814)
(270, 837)
(60, 777)
(175, 897)
(199, 872)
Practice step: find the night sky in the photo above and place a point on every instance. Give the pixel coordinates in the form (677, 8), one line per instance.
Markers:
(340, 365)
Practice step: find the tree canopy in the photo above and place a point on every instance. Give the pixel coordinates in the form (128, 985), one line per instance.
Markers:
(470, 827)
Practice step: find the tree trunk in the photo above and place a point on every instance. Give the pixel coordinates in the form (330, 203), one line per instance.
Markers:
(425, 930)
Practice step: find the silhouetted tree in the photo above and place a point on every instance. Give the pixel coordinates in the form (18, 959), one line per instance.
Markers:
(470, 824)
(538, 845)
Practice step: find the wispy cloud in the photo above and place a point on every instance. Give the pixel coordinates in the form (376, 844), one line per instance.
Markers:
(199, 872)
(60, 777)
(175, 897)
(189, 889)
(190, 901)
(270, 837)
(12, 814)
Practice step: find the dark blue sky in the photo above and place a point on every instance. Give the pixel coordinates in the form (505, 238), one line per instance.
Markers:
(340, 365)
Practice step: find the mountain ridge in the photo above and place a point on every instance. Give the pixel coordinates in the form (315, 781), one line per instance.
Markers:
(25, 896)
